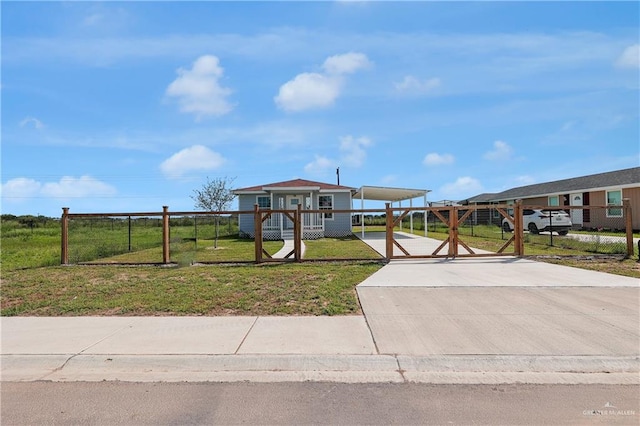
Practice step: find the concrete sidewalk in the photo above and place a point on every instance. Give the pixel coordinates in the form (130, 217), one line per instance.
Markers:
(268, 349)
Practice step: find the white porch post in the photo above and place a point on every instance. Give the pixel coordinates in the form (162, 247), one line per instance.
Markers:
(411, 214)
(425, 215)
(400, 205)
(362, 214)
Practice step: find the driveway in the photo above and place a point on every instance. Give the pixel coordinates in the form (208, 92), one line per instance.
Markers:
(414, 244)
(500, 306)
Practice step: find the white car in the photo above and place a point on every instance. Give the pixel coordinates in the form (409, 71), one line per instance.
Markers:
(538, 220)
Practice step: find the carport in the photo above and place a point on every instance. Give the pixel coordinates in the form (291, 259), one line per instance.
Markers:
(390, 195)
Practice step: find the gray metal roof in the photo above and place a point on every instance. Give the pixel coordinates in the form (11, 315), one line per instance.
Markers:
(480, 198)
(582, 184)
(388, 194)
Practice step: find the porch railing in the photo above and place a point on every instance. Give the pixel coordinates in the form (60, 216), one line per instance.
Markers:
(310, 222)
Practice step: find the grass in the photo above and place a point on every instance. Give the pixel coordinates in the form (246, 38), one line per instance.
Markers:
(27, 248)
(229, 249)
(339, 248)
(31, 285)
(273, 289)
(625, 267)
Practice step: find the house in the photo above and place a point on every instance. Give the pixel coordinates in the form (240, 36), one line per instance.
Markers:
(288, 195)
(602, 189)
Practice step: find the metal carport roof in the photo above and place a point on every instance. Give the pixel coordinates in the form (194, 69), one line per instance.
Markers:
(381, 193)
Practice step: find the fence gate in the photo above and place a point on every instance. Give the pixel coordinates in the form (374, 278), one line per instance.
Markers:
(457, 224)
(269, 225)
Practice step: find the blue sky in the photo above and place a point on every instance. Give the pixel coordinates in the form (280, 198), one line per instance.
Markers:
(118, 107)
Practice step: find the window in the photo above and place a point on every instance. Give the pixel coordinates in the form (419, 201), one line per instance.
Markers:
(553, 200)
(263, 201)
(614, 198)
(325, 202)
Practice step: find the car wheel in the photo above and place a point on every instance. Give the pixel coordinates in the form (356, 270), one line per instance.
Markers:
(563, 233)
(506, 227)
(533, 228)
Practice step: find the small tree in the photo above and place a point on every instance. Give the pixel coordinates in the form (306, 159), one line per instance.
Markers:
(216, 195)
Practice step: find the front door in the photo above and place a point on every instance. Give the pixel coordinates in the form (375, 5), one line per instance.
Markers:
(292, 204)
(576, 214)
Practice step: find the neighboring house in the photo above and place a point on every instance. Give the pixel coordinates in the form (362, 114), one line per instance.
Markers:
(288, 195)
(594, 190)
(482, 216)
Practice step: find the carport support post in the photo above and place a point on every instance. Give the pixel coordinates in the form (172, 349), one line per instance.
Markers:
(628, 219)
(64, 225)
(389, 231)
(166, 257)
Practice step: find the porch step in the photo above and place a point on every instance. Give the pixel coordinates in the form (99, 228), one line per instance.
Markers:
(287, 234)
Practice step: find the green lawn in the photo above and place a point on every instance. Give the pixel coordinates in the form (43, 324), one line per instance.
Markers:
(268, 289)
(31, 285)
(339, 248)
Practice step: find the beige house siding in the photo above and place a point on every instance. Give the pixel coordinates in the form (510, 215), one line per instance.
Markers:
(538, 201)
(597, 217)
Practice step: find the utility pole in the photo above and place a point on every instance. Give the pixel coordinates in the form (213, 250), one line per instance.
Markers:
(338, 174)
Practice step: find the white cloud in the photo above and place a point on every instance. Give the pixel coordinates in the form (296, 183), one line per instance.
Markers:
(435, 159)
(307, 91)
(31, 121)
(198, 90)
(71, 187)
(316, 90)
(320, 165)
(353, 151)
(352, 154)
(463, 187)
(194, 158)
(501, 152)
(347, 63)
(19, 188)
(630, 58)
(412, 85)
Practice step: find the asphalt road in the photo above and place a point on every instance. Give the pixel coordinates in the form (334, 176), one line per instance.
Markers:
(112, 403)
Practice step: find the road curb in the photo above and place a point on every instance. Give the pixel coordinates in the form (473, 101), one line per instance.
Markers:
(453, 369)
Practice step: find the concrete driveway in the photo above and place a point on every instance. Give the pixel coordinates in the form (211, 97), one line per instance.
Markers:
(500, 306)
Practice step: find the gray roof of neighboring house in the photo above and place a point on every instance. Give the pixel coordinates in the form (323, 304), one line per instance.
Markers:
(480, 198)
(584, 183)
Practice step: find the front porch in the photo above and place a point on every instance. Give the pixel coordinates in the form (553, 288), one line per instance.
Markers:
(278, 226)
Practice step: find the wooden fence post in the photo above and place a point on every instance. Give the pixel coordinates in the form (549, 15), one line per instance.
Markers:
(453, 231)
(64, 225)
(257, 231)
(518, 230)
(628, 219)
(389, 231)
(166, 256)
(297, 234)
